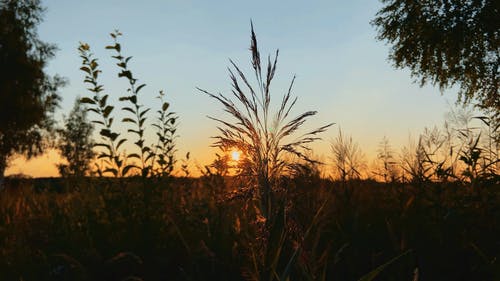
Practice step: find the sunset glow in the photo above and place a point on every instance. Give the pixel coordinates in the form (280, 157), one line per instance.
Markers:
(327, 77)
(235, 155)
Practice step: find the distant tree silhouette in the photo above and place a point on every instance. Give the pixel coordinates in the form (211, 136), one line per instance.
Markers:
(27, 94)
(75, 143)
(447, 43)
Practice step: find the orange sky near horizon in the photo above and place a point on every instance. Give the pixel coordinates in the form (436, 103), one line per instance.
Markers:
(342, 70)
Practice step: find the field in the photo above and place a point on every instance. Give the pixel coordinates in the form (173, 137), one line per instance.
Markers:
(209, 228)
(269, 203)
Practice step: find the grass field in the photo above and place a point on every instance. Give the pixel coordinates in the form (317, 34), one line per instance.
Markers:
(210, 229)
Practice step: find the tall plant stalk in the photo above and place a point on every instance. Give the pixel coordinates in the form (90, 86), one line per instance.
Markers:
(114, 162)
(265, 137)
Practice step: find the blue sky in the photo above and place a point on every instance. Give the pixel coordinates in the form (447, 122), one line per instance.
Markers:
(342, 71)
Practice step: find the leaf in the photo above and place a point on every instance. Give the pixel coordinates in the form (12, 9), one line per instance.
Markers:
(95, 74)
(144, 112)
(139, 88)
(150, 155)
(125, 73)
(87, 100)
(86, 69)
(93, 64)
(133, 99)
(103, 100)
(111, 170)
(128, 109)
(93, 110)
(130, 120)
(103, 155)
(165, 106)
(120, 142)
(134, 155)
(139, 143)
(127, 168)
(114, 136)
(105, 133)
(107, 111)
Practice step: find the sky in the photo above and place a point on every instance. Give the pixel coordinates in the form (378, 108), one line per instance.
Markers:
(341, 70)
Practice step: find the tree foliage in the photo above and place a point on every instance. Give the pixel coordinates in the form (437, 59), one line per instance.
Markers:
(446, 43)
(75, 143)
(28, 95)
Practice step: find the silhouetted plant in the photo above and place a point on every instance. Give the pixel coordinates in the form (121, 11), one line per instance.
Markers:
(164, 150)
(259, 133)
(111, 143)
(347, 157)
(387, 164)
(75, 143)
(477, 146)
(157, 159)
(491, 146)
(136, 109)
(219, 166)
(185, 165)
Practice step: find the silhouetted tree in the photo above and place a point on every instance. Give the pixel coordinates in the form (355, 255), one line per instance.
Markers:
(27, 94)
(447, 43)
(75, 143)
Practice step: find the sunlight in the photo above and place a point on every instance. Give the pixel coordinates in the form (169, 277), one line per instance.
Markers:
(235, 155)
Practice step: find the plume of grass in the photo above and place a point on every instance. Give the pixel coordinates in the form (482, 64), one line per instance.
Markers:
(264, 136)
(347, 157)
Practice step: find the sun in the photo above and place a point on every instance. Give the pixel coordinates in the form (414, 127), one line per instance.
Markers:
(235, 155)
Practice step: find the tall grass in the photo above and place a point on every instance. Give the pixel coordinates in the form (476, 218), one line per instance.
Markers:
(267, 138)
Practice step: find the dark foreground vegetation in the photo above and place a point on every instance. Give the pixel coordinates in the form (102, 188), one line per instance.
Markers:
(210, 229)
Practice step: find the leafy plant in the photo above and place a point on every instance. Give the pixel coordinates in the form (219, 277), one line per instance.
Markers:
(165, 148)
(114, 162)
(136, 109)
(156, 159)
